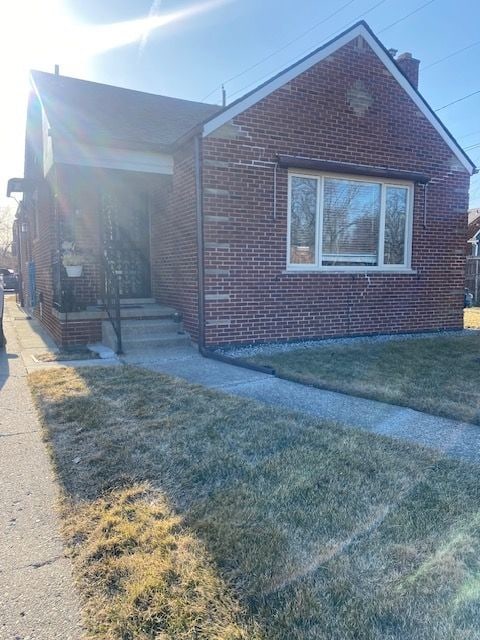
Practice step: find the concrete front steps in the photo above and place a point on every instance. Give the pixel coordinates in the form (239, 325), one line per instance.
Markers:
(139, 308)
(145, 325)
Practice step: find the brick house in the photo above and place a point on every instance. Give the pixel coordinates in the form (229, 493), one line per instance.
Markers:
(305, 209)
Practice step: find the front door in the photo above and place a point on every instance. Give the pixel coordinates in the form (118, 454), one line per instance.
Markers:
(126, 238)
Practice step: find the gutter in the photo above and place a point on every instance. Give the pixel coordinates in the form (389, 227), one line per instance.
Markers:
(302, 162)
(203, 350)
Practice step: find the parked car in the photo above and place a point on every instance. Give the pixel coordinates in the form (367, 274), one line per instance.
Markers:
(9, 279)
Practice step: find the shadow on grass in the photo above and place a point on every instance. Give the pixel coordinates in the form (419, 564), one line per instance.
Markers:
(300, 529)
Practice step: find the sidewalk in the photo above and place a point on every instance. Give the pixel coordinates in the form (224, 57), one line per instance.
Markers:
(457, 439)
(37, 596)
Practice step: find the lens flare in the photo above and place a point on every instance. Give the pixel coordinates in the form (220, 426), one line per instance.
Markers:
(100, 39)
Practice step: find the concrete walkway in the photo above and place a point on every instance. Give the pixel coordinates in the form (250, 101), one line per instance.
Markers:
(457, 439)
(37, 596)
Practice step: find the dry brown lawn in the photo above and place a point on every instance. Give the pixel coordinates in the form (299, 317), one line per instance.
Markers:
(471, 318)
(194, 515)
(62, 356)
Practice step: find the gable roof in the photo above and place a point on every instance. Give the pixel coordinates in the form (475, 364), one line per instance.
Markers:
(105, 115)
(359, 29)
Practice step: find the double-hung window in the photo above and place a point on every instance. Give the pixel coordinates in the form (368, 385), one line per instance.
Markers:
(348, 223)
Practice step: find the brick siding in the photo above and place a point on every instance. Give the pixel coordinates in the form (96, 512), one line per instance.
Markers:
(39, 237)
(46, 214)
(174, 240)
(249, 296)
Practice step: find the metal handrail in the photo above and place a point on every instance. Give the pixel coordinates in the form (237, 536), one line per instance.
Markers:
(111, 299)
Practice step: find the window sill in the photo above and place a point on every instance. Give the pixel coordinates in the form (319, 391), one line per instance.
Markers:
(350, 270)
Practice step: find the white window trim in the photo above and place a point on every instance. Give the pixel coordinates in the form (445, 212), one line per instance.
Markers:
(384, 268)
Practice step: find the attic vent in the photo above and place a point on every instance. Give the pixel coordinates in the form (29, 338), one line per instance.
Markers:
(360, 45)
(358, 98)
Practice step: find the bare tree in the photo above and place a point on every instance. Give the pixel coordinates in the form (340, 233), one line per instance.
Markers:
(7, 215)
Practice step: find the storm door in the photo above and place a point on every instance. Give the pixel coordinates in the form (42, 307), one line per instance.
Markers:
(126, 239)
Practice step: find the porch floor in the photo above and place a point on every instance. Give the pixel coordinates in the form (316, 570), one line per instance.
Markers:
(141, 309)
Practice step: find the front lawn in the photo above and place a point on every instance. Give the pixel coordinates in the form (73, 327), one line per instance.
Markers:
(438, 375)
(190, 514)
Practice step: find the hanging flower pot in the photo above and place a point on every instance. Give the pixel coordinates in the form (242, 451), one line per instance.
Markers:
(74, 270)
(74, 260)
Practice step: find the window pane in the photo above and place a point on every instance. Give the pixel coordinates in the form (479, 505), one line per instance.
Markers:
(395, 221)
(303, 220)
(351, 215)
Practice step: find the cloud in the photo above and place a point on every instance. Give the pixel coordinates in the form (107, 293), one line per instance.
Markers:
(154, 11)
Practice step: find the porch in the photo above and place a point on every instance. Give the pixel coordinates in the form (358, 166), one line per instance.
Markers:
(103, 273)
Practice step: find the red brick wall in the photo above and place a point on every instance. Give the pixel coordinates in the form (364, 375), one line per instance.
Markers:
(43, 252)
(39, 240)
(46, 210)
(78, 207)
(54, 206)
(70, 201)
(249, 297)
(174, 240)
(34, 174)
(78, 332)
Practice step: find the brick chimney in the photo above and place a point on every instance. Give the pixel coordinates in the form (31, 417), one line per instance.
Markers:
(409, 66)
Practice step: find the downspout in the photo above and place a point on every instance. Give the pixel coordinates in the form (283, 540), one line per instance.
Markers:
(200, 243)
(207, 353)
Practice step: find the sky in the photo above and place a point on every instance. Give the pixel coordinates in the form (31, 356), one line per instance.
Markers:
(188, 48)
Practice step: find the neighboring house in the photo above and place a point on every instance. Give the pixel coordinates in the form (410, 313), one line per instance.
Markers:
(305, 209)
(472, 270)
(473, 233)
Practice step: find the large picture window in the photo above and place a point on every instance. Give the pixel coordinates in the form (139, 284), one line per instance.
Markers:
(345, 223)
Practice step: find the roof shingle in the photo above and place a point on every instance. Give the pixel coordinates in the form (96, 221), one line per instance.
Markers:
(113, 116)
